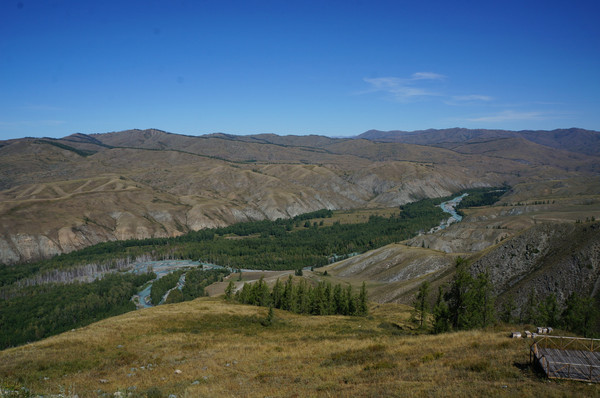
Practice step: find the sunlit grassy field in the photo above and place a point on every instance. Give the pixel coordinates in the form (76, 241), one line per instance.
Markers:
(210, 348)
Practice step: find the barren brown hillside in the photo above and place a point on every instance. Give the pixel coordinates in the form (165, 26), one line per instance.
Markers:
(59, 195)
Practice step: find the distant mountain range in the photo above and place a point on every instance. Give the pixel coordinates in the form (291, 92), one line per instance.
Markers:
(573, 139)
(57, 195)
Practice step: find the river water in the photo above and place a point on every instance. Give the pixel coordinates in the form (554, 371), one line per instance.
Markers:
(449, 207)
(162, 268)
(165, 267)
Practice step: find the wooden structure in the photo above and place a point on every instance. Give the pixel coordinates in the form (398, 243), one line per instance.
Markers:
(572, 358)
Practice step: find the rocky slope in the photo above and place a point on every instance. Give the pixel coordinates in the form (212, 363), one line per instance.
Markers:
(557, 258)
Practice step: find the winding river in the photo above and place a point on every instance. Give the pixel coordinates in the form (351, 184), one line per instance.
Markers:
(162, 268)
(449, 207)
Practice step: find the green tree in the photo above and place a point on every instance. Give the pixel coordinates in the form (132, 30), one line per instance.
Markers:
(470, 300)
(277, 294)
(245, 295)
(528, 312)
(459, 296)
(362, 304)
(483, 301)
(175, 296)
(580, 315)
(302, 294)
(229, 290)
(421, 303)
(508, 307)
(262, 295)
(351, 301)
(549, 314)
(339, 301)
(268, 321)
(441, 314)
(288, 301)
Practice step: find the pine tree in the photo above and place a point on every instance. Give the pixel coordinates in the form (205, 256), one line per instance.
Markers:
(580, 315)
(229, 290)
(459, 296)
(317, 304)
(288, 301)
(277, 294)
(441, 315)
(302, 293)
(268, 321)
(328, 297)
(528, 311)
(351, 301)
(363, 307)
(483, 301)
(508, 307)
(421, 305)
(548, 311)
(339, 301)
(246, 294)
(261, 295)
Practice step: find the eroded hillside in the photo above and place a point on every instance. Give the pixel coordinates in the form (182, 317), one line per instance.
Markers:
(61, 195)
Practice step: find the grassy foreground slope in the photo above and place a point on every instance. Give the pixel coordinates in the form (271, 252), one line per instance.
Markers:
(211, 348)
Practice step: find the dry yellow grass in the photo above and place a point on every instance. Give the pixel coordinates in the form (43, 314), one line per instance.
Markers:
(209, 348)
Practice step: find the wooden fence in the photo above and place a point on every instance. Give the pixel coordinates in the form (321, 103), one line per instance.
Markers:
(572, 358)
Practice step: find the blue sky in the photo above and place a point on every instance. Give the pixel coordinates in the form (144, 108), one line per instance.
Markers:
(335, 68)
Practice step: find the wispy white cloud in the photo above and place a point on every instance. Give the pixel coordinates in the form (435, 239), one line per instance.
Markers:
(404, 89)
(510, 115)
(427, 76)
(471, 98)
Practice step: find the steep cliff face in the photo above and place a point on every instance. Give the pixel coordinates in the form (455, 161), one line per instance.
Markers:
(546, 258)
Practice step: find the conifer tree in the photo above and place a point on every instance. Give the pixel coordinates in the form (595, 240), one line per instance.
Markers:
(328, 298)
(288, 301)
(421, 304)
(580, 314)
(268, 321)
(548, 312)
(441, 314)
(483, 301)
(319, 302)
(277, 294)
(363, 307)
(262, 296)
(339, 301)
(529, 310)
(302, 297)
(458, 296)
(351, 301)
(508, 308)
(245, 294)
(229, 290)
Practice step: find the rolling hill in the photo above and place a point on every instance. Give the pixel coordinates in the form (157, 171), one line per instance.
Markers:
(208, 347)
(60, 195)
